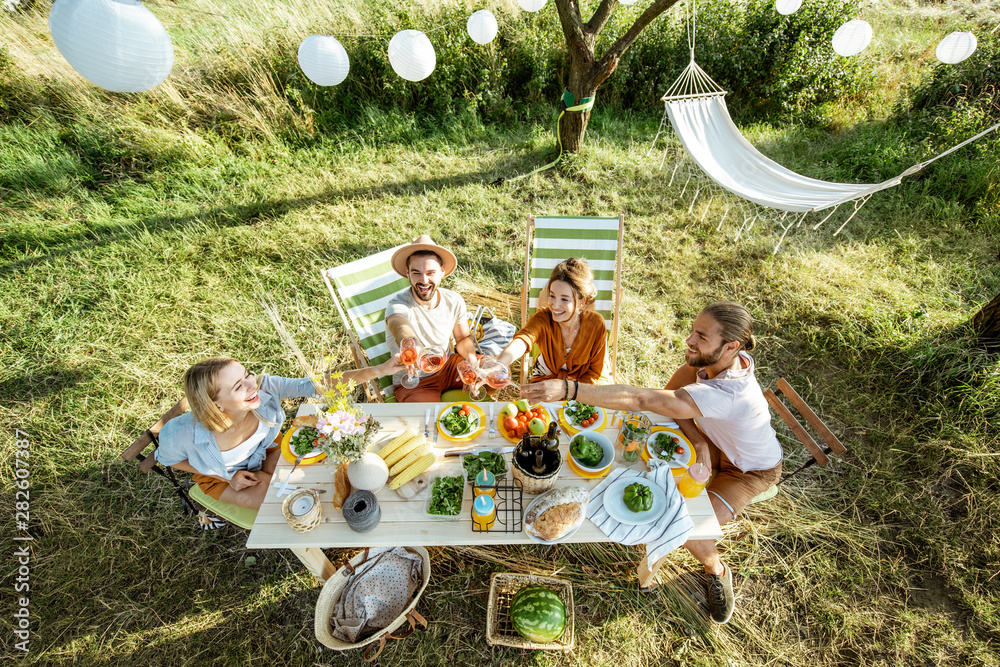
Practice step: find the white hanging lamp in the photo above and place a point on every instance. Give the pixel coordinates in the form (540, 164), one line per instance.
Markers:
(852, 38)
(482, 26)
(956, 47)
(531, 5)
(118, 45)
(628, 2)
(324, 60)
(786, 7)
(411, 55)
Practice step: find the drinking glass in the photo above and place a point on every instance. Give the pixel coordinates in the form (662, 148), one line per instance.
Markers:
(470, 378)
(496, 374)
(408, 356)
(633, 434)
(431, 359)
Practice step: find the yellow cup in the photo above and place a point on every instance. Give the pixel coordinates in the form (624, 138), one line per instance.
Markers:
(694, 479)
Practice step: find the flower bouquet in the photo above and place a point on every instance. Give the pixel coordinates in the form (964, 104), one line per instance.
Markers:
(345, 431)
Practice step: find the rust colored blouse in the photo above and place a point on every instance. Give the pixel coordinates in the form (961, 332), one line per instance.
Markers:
(584, 362)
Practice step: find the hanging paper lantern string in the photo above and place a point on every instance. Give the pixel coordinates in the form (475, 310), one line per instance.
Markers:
(852, 38)
(324, 60)
(956, 47)
(482, 26)
(118, 45)
(531, 5)
(786, 7)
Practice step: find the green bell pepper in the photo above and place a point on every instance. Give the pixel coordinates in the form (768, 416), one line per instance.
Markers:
(638, 497)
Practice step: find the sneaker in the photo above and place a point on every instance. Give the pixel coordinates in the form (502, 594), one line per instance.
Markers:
(721, 600)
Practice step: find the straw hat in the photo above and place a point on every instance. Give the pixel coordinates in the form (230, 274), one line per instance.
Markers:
(423, 242)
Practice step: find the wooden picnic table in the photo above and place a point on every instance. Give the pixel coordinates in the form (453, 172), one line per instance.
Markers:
(404, 522)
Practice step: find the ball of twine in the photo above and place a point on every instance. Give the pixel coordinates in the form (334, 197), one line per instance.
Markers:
(361, 511)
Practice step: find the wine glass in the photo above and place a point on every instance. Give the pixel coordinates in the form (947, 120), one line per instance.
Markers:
(496, 373)
(470, 379)
(431, 359)
(408, 357)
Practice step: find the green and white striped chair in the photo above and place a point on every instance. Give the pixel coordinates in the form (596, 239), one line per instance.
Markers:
(361, 291)
(551, 240)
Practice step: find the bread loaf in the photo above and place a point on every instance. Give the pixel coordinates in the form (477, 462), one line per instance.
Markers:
(556, 513)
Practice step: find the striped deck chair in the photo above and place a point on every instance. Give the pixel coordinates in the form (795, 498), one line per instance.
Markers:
(551, 240)
(361, 290)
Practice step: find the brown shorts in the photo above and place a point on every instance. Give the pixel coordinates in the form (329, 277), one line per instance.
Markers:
(430, 388)
(210, 486)
(736, 488)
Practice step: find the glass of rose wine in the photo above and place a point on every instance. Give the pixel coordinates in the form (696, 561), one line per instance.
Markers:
(470, 379)
(408, 357)
(496, 374)
(431, 359)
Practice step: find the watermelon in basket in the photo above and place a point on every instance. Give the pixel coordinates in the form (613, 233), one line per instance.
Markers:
(538, 615)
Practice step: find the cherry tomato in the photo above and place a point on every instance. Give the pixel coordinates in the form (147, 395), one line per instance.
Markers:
(467, 408)
(588, 422)
(510, 424)
(679, 450)
(521, 430)
(512, 433)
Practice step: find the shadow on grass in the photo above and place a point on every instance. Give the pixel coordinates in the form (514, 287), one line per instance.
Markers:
(43, 382)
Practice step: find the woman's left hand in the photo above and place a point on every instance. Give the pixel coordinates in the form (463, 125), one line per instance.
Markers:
(547, 391)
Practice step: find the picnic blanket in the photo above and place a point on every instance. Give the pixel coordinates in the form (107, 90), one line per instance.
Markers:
(660, 536)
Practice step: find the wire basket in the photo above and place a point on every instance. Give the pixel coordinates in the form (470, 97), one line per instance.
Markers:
(307, 520)
(499, 628)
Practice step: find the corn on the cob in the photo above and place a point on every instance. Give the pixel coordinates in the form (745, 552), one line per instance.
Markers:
(403, 450)
(399, 440)
(409, 458)
(422, 464)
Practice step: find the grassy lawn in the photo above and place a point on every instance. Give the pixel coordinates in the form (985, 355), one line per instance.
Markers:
(130, 248)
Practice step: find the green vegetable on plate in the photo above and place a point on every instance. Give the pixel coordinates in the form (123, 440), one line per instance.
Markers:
(304, 441)
(638, 497)
(457, 423)
(491, 461)
(586, 452)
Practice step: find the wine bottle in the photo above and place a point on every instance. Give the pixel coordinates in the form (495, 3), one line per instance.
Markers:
(551, 441)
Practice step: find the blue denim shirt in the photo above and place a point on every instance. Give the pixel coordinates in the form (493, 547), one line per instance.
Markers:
(185, 438)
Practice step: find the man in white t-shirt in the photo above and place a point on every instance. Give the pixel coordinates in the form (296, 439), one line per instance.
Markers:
(431, 315)
(717, 389)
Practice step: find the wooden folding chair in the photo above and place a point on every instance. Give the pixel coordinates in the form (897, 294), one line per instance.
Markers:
(193, 497)
(550, 240)
(820, 455)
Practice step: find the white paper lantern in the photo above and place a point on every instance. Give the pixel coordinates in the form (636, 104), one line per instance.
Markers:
(786, 7)
(324, 60)
(412, 55)
(627, 2)
(852, 38)
(956, 47)
(531, 5)
(115, 44)
(482, 26)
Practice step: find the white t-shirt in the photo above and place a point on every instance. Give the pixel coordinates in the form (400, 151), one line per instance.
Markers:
(434, 326)
(241, 452)
(736, 416)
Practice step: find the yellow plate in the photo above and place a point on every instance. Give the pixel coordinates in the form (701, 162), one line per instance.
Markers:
(545, 418)
(469, 436)
(286, 441)
(596, 427)
(588, 475)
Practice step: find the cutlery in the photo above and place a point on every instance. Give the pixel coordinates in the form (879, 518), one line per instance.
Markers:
(495, 450)
(293, 488)
(493, 428)
(427, 424)
(284, 487)
(437, 431)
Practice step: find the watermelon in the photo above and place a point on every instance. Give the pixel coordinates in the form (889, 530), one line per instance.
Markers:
(538, 614)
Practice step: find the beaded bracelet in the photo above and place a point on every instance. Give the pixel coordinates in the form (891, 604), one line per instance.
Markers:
(565, 389)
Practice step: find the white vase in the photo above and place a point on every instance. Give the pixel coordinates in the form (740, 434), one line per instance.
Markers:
(369, 473)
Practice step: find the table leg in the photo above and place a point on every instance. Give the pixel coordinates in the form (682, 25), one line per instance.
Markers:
(647, 572)
(316, 562)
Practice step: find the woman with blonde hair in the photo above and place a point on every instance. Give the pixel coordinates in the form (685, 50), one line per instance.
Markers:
(228, 440)
(570, 334)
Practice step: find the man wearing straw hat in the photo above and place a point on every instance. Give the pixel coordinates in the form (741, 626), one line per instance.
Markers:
(716, 386)
(430, 314)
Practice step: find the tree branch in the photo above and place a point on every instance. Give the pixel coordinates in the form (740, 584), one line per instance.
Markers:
(609, 61)
(601, 16)
(572, 25)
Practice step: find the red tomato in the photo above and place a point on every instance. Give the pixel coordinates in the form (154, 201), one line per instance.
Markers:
(465, 406)
(521, 430)
(586, 423)
(679, 450)
(512, 433)
(509, 424)
(522, 418)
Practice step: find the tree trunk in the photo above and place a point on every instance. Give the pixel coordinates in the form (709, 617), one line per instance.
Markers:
(987, 323)
(573, 125)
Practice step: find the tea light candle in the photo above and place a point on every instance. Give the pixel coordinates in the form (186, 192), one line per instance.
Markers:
(302, 505)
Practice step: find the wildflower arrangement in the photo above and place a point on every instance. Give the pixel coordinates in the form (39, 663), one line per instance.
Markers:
(345, 432)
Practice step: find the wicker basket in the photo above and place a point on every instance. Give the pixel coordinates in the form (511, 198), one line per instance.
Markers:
(499, 629)
(302, 523)
(335, 585)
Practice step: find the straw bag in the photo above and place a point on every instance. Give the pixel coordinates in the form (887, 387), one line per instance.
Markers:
(332, 591)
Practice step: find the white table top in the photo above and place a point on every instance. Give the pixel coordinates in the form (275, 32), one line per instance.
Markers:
(404, 521)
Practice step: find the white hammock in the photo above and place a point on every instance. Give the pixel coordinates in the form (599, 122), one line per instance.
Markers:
(697, 109)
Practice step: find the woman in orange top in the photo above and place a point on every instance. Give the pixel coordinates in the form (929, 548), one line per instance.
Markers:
(571, 336)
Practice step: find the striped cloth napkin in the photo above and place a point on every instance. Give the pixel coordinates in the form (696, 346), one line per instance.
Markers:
(661, 536)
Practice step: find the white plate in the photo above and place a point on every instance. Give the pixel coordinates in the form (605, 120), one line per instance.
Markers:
(615, 504)
(568, 534)
(313, 454)
(684, 458)
(597, 425)
(475, 422)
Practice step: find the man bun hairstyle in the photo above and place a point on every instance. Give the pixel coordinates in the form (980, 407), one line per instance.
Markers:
(576, 273)
(735, 321)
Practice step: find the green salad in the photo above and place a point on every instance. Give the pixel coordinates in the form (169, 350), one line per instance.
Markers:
(586, 452)
(304, 441)
(484, 461)
(457, 423)
(446, 496)
(580, 412)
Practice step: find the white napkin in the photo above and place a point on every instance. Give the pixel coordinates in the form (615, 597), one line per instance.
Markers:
(660, 536)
